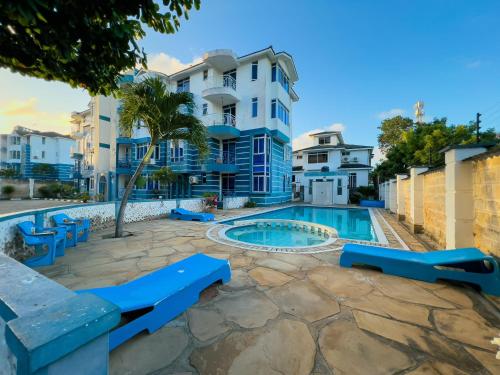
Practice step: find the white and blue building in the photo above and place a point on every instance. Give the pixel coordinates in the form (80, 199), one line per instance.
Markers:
(37, 154)
(246, 104)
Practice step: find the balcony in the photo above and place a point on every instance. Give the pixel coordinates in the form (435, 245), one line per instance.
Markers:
(124, 166)
(224, 164)
(221, 126)
(221, 90)
(179, 164)
(221, 59)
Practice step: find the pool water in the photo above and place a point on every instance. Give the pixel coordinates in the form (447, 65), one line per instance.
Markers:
(351, 223)
(279, 237)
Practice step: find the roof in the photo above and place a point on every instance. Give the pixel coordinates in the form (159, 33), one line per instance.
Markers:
(326, 132)
(25, 131)
(333, 147)
(354, 165)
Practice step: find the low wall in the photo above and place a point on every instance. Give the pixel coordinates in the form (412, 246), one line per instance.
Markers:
(234, 202)
(101, 215)
(434, 206)
(407, 199)
(486, 195)
(21, 186)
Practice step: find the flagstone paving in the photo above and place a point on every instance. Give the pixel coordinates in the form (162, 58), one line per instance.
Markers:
(289, 313)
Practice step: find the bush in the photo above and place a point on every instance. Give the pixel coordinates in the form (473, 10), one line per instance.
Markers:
(355, 197)
(250, 204)
(44, 191)
(8, 190)
(84, 197)
(366, 191)
(67, 191)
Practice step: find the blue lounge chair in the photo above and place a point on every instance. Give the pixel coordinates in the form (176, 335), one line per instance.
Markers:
(53, 238)
(182, 214)
(155, 299)
(465, 265)
(78, 229)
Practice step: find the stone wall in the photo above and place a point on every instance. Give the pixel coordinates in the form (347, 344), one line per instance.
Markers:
(21, 186)
(139, 211)
(234, 202)
(434, 206)
(486, 193)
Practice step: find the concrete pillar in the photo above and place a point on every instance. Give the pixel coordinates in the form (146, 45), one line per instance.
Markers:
(386, 195)
(417, 199)
(459, 204)
(393, 194)
(31, 188)
(400, 197)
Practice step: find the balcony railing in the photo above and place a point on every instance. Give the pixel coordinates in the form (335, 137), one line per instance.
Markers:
(124, 163)
(227, 158)
(225, 80)
(219, 119)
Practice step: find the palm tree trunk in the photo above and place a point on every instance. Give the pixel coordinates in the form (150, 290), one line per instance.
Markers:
(128, 190)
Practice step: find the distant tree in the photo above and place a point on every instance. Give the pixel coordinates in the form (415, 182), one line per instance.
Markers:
(391, 131)
(166, 115)
(165, 176)
(44, 169)
(9, 173)
(83, 43)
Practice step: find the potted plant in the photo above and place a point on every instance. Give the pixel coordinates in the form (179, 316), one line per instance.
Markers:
(210, 202)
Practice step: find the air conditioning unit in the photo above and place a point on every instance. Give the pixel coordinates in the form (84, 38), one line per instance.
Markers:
(345, 158)
(193, 179)
(355, 159)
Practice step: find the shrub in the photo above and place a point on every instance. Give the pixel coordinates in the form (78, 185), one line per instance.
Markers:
(9, 173)
(355, 197)
(44, 191)
(366, 191)
(8, 190)
(250, 204)
(84, 197)
(67, 191)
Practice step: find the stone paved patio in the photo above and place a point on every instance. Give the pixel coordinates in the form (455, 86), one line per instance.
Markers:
(289, 313)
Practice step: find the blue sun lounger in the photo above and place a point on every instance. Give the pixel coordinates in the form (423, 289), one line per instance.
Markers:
(78, 229)
(151, 301)
(468, 265)
(182, 214)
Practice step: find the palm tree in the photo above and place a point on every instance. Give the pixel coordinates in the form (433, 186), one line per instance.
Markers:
(166, 115)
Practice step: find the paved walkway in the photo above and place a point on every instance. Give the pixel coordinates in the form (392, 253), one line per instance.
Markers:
(288, 313)
(8, 206)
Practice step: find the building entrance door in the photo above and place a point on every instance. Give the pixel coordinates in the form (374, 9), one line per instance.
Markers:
(322, 193)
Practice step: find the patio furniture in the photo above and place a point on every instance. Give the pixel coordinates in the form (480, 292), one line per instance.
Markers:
(182, 214)
(53, 238)
(467, 265)
(78, 229)
(151, 301)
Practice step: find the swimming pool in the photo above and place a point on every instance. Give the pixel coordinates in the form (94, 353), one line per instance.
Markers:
(350, 223)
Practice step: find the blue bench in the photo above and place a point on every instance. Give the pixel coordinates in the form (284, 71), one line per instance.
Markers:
(162, 295)
(467, 265)
(78, 229)
(53, 238)
(182, 214)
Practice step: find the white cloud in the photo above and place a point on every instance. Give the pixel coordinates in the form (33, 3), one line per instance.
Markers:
(161, 62)
(391, 113)
(304, 140)
(26, 113)
(378, 156)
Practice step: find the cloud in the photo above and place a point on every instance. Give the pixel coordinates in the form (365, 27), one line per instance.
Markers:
(161, 62)
(26, 113)
(391, 113)
(474, 64)
(304, 140)
(378, 156)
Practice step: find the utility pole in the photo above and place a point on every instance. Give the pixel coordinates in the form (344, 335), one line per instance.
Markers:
(478, 121)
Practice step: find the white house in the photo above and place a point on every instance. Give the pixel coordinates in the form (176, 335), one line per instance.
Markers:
(325, 172)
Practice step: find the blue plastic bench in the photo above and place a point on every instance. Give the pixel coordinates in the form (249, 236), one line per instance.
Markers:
(53, 238)
(160, 296)
(78, 229)
(182, 214)
(468, 265)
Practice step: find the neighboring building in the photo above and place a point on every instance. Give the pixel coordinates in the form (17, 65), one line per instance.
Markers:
(324, 172)
(246, 104)
(36, 154)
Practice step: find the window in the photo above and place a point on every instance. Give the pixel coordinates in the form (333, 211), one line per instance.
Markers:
(346, 153)
(43, 154)
(279, 110)
(150, 183)
(260, 168)
(229, 113)
(277, 73)
(183, 85)
(286, 153)
(339, 186)
(205, 75)
(203, 177)
(293, 178)
(324, 140)
(141, 149)
(299, 156)
(255, 70)
(91, 183)
(353, 180)
(176, 151)
(255, 104)
(16, 140)
(15, 154)
(43, 140)
(229, 79)
(317, 157)
(156, 152)
(205, 109)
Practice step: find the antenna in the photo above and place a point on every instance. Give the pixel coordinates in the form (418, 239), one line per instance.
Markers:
(419, 112)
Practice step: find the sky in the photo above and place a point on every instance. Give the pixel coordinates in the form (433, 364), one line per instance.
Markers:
(358, 61)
